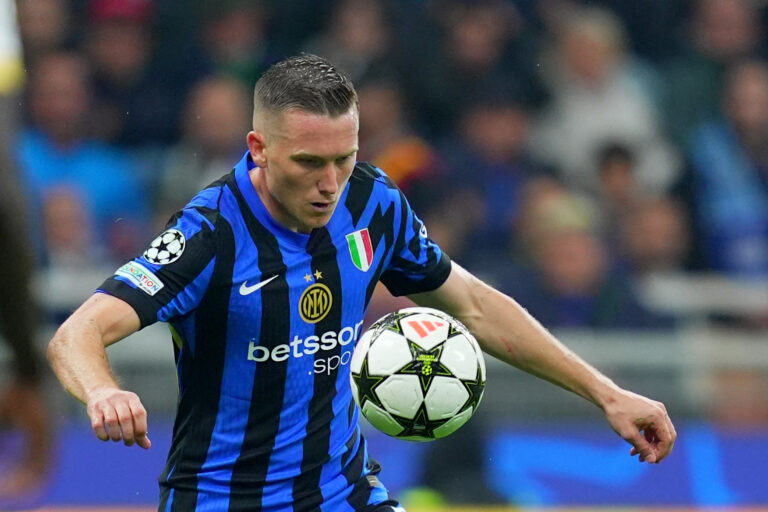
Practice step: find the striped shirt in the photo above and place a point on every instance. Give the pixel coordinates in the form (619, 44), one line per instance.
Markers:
(264, 321)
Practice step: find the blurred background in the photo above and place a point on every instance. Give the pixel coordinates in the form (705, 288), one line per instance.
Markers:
(604, 162)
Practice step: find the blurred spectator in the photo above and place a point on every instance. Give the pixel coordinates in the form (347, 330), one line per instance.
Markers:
(296, 22)
(618, 193)
(217, 113)
(655, 237)
(61, 164)
(388, 140)
(598, 97)
(134, 104)
(726, 186)
(720, 33)
(619, 190)
(569, 279)
(491, 168)
(651, 24)
(234, 40)
(356, 38)
(44, 27)
(482, 45)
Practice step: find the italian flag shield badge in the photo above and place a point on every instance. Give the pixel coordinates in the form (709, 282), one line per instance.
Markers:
(360, 249)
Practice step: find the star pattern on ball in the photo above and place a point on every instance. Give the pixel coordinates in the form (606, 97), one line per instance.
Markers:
(391, 322)
(166, 248)
(420, 425)
(475, 389)
(366, 384)
(426, 364)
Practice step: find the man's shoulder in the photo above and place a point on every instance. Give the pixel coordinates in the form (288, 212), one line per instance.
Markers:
(365, 171)
(210, 195)
(208, 201)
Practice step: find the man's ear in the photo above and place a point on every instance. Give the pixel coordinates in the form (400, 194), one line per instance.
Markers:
(257, 147)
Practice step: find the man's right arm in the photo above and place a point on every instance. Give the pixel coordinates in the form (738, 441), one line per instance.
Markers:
(78, 356)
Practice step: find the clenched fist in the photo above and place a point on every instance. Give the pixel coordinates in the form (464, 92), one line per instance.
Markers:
(116, 414)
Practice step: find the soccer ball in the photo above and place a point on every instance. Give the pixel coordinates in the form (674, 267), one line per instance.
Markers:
(417, 374)
(166, 248)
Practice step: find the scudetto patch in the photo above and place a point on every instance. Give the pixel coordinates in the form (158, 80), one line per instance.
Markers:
(166, 248)
(142, 277)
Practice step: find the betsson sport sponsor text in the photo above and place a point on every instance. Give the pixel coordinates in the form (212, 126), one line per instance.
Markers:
(310, 345)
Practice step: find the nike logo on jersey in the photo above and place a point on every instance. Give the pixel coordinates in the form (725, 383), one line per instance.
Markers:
(247, 290)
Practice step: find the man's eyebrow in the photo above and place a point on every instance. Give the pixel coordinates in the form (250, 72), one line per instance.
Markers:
(310, 156)
(305, 156)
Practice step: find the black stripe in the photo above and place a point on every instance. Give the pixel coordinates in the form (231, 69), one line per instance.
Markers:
(414, 245)
(353, 473)
(380, 226)
(433, 272)
(350, 412)
(164, 495)
(223, 180)
(199, 401)
(250, 470)
(350, 444)
(361, 492)
(306, 487)
(199, 250)
(360, 189)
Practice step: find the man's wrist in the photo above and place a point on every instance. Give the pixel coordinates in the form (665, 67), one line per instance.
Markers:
(604, 392)
(98, 391)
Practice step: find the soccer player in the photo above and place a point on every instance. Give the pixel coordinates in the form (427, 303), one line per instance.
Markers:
(22, 400)
(264, 278)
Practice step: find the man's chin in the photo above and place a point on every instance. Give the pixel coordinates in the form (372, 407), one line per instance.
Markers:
(317, 221)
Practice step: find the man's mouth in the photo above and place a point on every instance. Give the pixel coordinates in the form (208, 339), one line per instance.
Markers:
(321, 205)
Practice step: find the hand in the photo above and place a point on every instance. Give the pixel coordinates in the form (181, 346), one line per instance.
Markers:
(644, 424)
(116, 414)
(23, 406)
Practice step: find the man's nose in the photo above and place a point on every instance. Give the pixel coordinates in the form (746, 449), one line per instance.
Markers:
(327, 184)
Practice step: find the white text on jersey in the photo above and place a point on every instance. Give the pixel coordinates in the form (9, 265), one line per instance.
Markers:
(308, 346)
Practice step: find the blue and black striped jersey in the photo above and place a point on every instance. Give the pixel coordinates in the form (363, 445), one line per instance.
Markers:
(264, 321)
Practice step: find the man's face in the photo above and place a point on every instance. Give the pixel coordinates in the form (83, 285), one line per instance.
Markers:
(306, 161)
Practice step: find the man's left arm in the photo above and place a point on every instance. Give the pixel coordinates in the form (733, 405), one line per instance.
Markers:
(506, 331)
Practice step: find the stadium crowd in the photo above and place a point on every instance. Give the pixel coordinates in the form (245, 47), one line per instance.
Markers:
(563, 150)
(567, 151)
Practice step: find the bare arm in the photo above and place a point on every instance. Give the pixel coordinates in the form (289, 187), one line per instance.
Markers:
(79, 359)
(506, 331)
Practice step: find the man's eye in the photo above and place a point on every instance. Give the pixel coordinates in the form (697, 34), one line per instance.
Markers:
(311, 163)
(343, 159)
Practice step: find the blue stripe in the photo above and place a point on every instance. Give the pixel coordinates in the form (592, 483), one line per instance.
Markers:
(188, 298)
(236, 387)
(332, 479)
(287, 455)
(169, 506)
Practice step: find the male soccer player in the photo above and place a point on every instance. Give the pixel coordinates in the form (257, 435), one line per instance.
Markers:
(264, 279)
(22, 401)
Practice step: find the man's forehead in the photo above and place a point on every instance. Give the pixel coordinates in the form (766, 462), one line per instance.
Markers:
(296, 118)
(303, 127)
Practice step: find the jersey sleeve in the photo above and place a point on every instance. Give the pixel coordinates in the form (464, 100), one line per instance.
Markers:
(171, 276)
(418, 264)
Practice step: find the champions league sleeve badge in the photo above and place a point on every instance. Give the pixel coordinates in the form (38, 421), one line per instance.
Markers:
(166, 248)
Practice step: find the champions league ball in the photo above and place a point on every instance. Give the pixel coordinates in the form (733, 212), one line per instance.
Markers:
(417, 374)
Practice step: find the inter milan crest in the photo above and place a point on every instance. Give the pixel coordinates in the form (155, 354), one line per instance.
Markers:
(315, 303)
(166, 248)
(360, 249)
